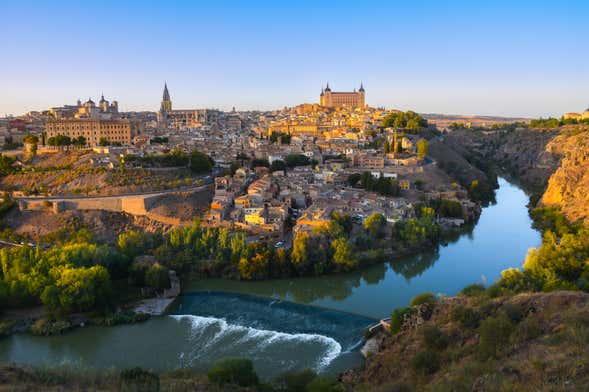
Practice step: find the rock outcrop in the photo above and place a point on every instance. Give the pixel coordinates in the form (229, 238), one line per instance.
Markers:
(568, 187)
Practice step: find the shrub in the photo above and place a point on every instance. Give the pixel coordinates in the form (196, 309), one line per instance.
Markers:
(528, 329)
(137, 379)
(46, 327)
(434, 338)
(467, 317)
(513, 312)
(397, 318)
(323, 384)
(424, 298)
(233, 371)
(157, 277)
(425, 362)
(297, 381)
(494, 335)
(495, 291)
(473, 290)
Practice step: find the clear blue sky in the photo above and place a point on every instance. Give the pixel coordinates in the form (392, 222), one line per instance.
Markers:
(472, 57)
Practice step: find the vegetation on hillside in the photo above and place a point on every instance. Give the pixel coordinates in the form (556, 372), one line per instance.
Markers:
(409, 121)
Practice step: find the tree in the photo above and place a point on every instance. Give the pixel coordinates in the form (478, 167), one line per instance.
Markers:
(103, 142)
(200, 162)
(278, 165)
(353, 179)
(31, 139)
(80, 141)
(293, 160)
(494, 335)
(409, 120)
(233, 371)
(375, 225)
(157, 277)
(421, 148)
(343, 256)
(6, 163)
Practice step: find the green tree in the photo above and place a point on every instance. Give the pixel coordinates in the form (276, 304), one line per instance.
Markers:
(278, 165)
(343, 256)
(233, 371)
(200, 162)
(157, 277)
(494, 335)
(375, 225)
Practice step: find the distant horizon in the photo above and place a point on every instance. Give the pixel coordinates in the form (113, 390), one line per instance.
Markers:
(501, 59)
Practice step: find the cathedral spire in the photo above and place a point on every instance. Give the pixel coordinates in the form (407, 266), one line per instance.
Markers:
(361, 87)
(166, 96)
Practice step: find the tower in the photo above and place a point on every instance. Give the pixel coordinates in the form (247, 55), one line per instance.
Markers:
(165, 108)
(166, 102)
(103, 104)
(362, 95)
(325, 97)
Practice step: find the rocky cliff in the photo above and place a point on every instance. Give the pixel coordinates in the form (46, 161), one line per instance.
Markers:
(568, 187)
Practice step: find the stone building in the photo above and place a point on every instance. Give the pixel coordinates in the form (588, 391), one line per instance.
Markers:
(114, 131)
(185, 118)
(88, 109)
(332, 99)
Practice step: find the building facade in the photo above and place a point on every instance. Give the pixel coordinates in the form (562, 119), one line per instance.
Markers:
(93, 130)
(88, 109)
(333, 99)
(184, 118)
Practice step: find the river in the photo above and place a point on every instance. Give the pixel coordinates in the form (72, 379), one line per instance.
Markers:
(292, 324)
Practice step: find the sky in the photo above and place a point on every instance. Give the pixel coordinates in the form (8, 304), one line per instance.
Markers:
(510, 58)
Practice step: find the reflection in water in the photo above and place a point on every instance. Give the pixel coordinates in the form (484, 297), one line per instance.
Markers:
(475, 253)
(413, 266)
(280, 335)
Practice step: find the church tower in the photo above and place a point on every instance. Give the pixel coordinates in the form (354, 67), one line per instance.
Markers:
(165, 108)
(166, 102)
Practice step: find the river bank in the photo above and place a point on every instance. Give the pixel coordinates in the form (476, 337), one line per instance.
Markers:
(276, 329)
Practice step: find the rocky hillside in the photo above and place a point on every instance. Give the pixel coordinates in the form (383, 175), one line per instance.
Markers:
(568, 187)
(522, 153)
(529, 342)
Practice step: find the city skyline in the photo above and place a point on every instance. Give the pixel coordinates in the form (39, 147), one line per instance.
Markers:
(456, 58)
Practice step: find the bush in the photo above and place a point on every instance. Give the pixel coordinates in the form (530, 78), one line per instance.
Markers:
(434, 338)
(473, 290)
(119, 318)
(139, 380)
(297, 381)
(494, 334)
(397, 318)
(527, 330)
(425, 362)
(157, 277)
(323, 384)
(467, 317)
(233, 371)
(513, 312)
(46, 327)
(424, 298)
(495, 290)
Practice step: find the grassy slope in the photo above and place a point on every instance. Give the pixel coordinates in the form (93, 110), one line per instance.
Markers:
(547, 350)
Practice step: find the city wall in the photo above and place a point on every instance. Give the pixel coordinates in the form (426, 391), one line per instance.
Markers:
(139, 205)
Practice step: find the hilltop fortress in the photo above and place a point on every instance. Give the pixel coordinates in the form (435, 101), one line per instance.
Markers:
(332, 99)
